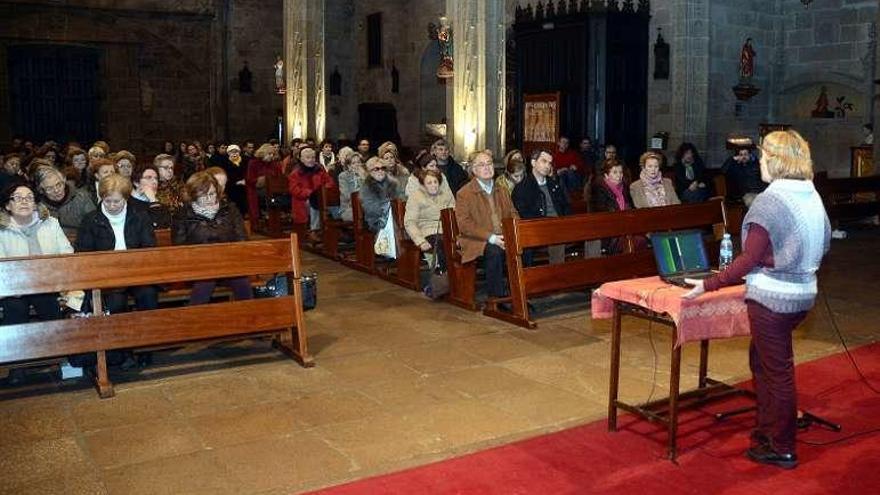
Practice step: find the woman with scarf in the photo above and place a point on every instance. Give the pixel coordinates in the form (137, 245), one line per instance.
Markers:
(376, 194)
(652, 189)
(609, 192)
(422, 218)
(205, 219)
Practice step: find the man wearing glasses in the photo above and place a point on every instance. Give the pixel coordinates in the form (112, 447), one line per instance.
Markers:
(479, 210)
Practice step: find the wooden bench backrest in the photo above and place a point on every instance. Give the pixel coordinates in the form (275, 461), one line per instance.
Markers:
(163, 236)
(827, 187)
(593, 226)
(161, 265)
(450, 234)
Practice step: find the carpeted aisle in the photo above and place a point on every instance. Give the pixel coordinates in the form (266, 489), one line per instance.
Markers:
(588, 459)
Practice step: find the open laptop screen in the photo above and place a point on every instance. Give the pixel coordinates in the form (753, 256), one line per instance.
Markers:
(679, 252)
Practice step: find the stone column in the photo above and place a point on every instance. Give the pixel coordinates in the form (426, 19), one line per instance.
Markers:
(304, 107)
(690, 99)
(876, 93)
(477, 119)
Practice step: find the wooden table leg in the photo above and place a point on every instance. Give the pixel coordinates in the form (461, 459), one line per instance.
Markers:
(704, 362)
(674, 378)
(615, 369)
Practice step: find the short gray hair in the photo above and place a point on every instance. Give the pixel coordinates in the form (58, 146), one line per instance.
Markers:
(43, 172)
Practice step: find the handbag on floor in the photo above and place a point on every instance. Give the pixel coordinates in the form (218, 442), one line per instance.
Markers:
(438, 283)
(279, 286)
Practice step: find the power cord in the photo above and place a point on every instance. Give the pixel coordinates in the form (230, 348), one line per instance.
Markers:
(849, 355)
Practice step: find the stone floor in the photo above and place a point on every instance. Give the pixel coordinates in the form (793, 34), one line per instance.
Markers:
(400, 381)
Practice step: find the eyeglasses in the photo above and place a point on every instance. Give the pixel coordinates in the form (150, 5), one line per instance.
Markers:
(58, 186)
(379, 169)
(165, 167)
(22, 199)
(208, 196)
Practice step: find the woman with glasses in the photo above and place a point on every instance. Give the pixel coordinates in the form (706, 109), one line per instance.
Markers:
(26, 230)
(145, 196)
(124, 162)
(63, 201)
(206, 220)
(377, 192)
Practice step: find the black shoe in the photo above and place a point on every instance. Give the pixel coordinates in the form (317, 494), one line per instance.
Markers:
(765, 455)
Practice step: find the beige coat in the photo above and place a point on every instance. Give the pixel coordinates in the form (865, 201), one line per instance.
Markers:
(474, 217)
(640, 199)
(422, 216)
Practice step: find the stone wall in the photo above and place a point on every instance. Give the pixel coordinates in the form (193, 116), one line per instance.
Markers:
(161, 71)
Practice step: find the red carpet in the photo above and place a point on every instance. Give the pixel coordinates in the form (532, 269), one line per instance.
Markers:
(588, 459)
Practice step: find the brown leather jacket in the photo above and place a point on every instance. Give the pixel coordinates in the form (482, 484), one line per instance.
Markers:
(474, 216)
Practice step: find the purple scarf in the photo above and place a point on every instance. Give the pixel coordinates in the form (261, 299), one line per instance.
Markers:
(617, 190)
(654, 191)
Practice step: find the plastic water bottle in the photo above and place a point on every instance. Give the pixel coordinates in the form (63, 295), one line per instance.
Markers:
(725, 257)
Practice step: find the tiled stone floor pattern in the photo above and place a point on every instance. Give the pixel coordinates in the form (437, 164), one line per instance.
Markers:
(400, 381)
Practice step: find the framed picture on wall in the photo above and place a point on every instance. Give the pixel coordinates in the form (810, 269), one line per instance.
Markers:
(540, 121)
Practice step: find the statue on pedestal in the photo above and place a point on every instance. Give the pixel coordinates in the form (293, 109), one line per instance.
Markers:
(747, 61)
(443, 34)
(279, 76)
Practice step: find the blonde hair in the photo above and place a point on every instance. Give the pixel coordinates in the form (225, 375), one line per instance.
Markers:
(786, 155)
(123, 155)
(264, 150)
(114, 183)
(649, 155)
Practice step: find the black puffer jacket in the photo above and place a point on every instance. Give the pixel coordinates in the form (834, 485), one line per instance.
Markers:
(96, 234)
(192, 228)
(530, 202)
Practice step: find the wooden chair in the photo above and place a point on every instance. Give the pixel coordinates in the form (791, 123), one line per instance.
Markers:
(462, 276)
(541, 280)
(281, 317)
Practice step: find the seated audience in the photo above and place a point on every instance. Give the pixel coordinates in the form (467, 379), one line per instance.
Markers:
(304, 185)
(363, 148)
(455, 174)
(540, 195)
(691, 184)
(193, 160)
(118, 225)
(351, 179)
(479, 210)
(423, 161)
(98, 169)
(609, 192)
(205, 219)
(379, 189)
(266, 162)
(588, 155)
(63, 201)
(569, 165)
(11, 171)
(743, 176)
(422, 217)
(389, 153)
(328, 159)
(124, 162)
(514, 171)
(170, 188)
(652, 189)
(76, 167)
(235, 166)
(146, 196)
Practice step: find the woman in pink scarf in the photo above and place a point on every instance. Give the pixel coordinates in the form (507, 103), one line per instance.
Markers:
(609, 192)
(652, 189)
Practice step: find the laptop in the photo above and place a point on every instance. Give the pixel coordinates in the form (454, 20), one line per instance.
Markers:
(680, 254)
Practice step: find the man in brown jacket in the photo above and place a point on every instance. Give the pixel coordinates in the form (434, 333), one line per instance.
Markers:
(479, 209)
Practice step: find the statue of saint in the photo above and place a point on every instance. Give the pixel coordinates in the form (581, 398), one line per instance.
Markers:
(279, 76)
(822, 111)
(747, 61)
(443, 34)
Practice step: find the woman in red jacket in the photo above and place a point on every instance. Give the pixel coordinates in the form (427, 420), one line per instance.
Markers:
(303, 184)
(265, 162)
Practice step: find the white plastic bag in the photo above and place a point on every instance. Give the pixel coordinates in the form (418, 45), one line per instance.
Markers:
(386, 244)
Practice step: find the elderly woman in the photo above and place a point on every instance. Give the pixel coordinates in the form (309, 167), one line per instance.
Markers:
(376, 194)
(266, 162)
(206, 220)
(124, 162)
(609, 192)
(76, 167)
(514, 171)
(11, 170)
(26, 230)
(652, 189)
(235, 167)
(170, 188)
(422, 218)
(63, 201)
(98, 169)
(350, 180)
(785, 234)
(304, 184)
(424, 161)
(389, 153)
(119, 226)
(145, 196)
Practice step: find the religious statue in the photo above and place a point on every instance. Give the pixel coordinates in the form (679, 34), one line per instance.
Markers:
(443, 34)
(245, 79)
(747, 61)
(822, 111)
(279, 76)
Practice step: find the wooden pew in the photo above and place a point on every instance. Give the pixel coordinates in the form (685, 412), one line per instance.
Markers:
(364, 258)
(849, 198)
(276, 185)
(281, 317)
(462, 276)
(521, 234)
(331, 229)
(406, 270)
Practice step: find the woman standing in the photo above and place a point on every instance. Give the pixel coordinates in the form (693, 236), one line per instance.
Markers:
(785, 233)
(207, 220)
(652, 189)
